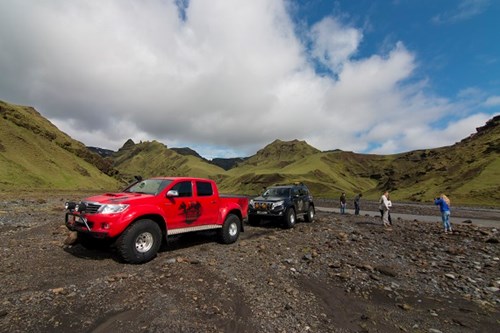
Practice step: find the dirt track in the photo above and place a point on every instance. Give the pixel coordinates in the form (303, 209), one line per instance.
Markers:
(341, 273)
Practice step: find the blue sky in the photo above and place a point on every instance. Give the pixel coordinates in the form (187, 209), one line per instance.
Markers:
(227, 77)
(456, 42)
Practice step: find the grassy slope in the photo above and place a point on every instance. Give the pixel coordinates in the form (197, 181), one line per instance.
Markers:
(155, 159)
(327, 173)
(35, 154)
(468, 171)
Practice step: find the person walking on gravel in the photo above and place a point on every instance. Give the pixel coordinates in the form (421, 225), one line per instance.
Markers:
(384, 207)
(343, 203)
(444, 206)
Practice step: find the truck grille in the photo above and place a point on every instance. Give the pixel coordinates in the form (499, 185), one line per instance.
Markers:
(92, 207)
(263, 206)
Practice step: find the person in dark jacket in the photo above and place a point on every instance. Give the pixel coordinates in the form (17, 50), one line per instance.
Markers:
(357, 199)
(444, 206)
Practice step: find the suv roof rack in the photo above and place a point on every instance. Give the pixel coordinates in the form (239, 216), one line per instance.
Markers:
(289, 184)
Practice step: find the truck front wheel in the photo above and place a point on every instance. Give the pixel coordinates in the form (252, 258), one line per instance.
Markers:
(140, 242)
(230, 230)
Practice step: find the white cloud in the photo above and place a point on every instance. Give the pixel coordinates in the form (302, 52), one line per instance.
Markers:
(423, 136)
(492, 101)
(226, 77)
(465, 10)
(334, 44)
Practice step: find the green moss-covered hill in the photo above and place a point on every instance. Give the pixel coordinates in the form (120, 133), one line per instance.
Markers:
(468, 171)
(153, 158)
(34, 154)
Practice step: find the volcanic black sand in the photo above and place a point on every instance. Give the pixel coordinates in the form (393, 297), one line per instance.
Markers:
(340, 273)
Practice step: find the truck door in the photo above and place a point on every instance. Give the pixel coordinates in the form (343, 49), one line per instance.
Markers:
(183, 211)
(209, 202)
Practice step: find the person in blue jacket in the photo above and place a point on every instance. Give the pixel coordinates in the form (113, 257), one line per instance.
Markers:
(444, 207)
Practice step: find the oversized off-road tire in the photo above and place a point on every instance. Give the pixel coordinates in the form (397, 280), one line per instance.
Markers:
(290, 218)
(92, 243)
(230, 230)
(309, 216)
(253, 220)
(140, 242)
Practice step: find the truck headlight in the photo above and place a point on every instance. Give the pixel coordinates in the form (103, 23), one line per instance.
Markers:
(277, 204)
(251, 203)
(112, 209)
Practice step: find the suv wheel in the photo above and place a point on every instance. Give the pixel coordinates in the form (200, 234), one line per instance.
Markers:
(290, 218)
(309, 216)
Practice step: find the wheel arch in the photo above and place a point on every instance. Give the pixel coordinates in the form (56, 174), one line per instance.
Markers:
(238, 213)
(158, 219)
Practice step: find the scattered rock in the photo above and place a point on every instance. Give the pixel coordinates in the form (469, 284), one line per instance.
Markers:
(71, 239)
(492, 240)
(337, 274)
(405, 306)
(389, 271)
(434, 330)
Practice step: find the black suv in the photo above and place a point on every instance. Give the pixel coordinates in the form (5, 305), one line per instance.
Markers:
(284, 202)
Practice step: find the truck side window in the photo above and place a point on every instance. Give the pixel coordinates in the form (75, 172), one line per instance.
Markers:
(302, 191)
(204, 189)
(184, 189)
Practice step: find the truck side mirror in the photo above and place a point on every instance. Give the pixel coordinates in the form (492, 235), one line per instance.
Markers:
(172, 193)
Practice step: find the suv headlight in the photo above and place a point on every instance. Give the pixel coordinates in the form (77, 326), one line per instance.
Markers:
(112, 209)
(277, 204)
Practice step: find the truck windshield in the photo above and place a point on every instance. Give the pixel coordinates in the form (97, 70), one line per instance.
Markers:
(277, 192)
(149, 186)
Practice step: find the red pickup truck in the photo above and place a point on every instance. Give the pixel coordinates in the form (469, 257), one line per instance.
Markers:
(138, 219)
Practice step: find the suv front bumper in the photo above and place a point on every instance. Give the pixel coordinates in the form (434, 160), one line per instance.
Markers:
(277, 212)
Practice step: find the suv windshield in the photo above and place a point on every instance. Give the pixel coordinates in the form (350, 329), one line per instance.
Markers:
(149, 186)
(277, 192)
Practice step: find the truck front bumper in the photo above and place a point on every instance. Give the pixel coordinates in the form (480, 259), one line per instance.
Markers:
(79, 223)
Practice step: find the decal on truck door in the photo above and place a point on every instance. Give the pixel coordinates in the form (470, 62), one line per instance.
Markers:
(191, 211)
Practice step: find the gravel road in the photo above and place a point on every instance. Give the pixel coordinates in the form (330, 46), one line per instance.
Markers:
(340, 273)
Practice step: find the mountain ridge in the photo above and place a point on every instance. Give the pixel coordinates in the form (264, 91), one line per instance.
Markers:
(468, 170)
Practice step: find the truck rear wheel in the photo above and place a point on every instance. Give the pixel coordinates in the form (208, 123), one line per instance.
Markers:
(309, 216)
(140, 242)
(290, 218)
(230, 230)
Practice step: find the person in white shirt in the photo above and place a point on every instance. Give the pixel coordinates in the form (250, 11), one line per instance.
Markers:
(384, 207)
